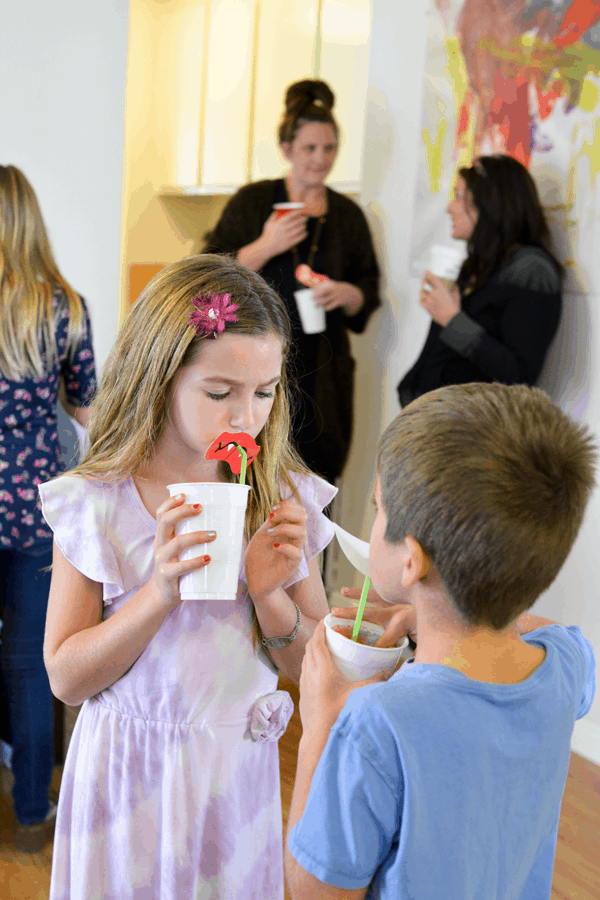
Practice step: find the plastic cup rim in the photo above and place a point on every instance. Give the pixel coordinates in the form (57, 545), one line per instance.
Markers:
(374, 627)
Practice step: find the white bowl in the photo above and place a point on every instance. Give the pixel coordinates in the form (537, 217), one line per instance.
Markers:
(358, 661)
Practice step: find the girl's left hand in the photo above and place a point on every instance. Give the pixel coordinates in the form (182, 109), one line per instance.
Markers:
(331, 294)
(323, 688)
(441, 304)
(276, 550)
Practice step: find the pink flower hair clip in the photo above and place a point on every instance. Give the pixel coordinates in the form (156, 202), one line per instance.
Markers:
(212, 312)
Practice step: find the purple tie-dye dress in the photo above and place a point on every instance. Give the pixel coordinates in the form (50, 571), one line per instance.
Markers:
(170, 788)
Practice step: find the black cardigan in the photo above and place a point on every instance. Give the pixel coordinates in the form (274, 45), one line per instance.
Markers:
(345, 254)
(502, 333)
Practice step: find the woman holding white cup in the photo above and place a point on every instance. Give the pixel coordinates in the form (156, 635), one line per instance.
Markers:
(499, 319)
(330, 235)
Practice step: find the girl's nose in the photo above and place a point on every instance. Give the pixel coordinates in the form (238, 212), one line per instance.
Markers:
(242, 416)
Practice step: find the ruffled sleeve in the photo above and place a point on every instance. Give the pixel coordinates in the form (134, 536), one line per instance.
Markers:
(315, 494)
(75, 510)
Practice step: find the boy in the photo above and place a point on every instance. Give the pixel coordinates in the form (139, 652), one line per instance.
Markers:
(444, 782)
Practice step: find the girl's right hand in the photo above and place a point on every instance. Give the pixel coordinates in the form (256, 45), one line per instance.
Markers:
(396, 621)
(167, 566)
(282, 232)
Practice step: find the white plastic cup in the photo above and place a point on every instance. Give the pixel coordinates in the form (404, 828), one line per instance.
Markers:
(223, 510)
(445, 262)
(312, 316)
(282, 209)
(357, 661)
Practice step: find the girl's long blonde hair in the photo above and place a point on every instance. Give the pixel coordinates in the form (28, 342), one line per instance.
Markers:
(29, 278)
(130, 409)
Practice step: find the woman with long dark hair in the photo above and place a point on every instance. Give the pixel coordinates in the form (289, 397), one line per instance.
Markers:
(45, 348)
(497, 324)
(330, 235)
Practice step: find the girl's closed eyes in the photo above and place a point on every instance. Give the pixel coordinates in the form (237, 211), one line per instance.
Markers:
(264, 395)
(208, 663)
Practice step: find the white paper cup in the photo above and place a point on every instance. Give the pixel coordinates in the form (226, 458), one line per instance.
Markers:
(312, 316)
(445, 262)
(357, 661)
(223, 510)
(282, 209)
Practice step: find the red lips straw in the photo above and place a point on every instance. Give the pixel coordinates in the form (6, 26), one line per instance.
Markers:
(237, 450)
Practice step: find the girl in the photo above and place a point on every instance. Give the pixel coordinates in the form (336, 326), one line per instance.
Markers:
(171, 787)
(45, 350)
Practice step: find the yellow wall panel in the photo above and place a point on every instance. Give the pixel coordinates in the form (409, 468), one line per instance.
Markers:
(287, 32)
(228, 92)
(345, 27)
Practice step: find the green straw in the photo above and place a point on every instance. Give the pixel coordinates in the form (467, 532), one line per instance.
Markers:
(361, 608)
(244, 456)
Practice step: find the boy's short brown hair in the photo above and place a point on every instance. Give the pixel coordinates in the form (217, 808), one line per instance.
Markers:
(492, 480)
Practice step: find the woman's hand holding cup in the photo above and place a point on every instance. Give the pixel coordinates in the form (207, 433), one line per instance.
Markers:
(396, 620)
(280, 233)
(441, 304)
(167, 546)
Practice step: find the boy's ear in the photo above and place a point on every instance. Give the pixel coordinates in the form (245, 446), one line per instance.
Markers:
(417, 565)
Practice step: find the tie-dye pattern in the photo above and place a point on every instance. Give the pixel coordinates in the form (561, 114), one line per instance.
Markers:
(165, 793)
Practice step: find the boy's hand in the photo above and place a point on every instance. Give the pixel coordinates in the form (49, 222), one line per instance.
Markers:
(396, 620)
(276, 550)
(323, 688)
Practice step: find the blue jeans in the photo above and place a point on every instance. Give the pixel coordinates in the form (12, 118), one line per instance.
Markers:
(24, 592)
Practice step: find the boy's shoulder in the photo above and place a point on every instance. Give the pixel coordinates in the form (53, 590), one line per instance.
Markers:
(427, 700)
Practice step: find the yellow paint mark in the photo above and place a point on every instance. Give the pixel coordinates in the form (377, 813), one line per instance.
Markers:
(589, 96)
(457, 70)
(591, 149)
(441, 106)
(434, 150)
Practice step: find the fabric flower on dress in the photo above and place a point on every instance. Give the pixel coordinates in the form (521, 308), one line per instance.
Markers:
(212, 312)
(269, 716)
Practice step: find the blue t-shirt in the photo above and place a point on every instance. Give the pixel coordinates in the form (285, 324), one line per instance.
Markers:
(436, 785)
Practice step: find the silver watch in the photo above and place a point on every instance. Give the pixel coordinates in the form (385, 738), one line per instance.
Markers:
(278, 643)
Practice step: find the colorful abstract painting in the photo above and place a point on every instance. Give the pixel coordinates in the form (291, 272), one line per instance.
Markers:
(519, 77)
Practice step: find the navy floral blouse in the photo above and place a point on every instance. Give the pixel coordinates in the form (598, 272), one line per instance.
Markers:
(29, 447)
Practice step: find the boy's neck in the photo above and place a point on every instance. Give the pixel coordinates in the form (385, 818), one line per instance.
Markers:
(479, 653)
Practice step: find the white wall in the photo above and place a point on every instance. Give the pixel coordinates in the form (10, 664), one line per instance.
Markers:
(391, 151)
(62, 70)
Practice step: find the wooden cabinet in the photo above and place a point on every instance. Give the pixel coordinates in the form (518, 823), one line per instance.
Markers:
(254, 50)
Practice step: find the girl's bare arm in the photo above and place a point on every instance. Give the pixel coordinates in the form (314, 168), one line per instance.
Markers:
(83, 655)
(309, 595)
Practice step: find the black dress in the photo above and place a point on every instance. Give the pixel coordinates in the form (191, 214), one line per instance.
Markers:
(321, 363)
(502, 333)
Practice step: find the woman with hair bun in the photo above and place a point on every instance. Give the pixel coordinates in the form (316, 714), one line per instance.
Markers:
(499, 320)
(330, 235)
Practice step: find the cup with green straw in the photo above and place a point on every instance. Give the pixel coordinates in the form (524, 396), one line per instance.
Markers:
(359, 661)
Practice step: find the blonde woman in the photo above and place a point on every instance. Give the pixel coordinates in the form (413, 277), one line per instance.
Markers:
(171, 786)
(45, 341)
